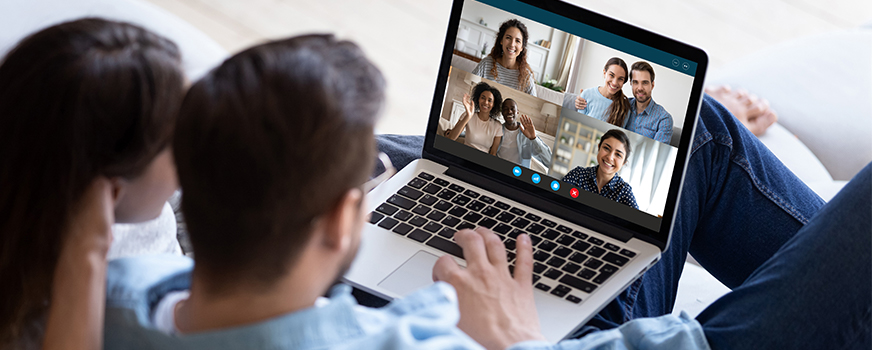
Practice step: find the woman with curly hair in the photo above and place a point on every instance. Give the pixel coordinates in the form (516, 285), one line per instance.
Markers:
(507, 61)
(484, 131)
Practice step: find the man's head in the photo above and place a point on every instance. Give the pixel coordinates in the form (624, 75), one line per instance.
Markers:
(510, 111)
(272, 146)
(642, 81)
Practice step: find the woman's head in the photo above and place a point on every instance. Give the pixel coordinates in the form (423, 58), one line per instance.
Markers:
(613, 152)
(78, 100)
(511, 43)
(487, 99)
(614, 77)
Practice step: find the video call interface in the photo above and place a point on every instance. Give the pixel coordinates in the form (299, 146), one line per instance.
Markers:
(596, 120)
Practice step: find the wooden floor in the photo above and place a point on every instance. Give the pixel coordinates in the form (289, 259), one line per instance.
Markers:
(404, 37)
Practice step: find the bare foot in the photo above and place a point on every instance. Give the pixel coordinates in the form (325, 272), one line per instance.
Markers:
(754, 112)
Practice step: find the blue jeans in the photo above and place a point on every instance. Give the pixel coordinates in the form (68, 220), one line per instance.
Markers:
(762, 232)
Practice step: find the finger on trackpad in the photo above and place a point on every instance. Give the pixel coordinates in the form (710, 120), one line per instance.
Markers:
(414, 274)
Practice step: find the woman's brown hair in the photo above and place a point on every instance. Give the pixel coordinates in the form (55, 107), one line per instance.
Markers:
(78, 100)
(524, 70)
(620, 103)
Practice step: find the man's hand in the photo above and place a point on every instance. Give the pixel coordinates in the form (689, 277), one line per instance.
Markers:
(580, 103)
(496, 309)
(528, 129)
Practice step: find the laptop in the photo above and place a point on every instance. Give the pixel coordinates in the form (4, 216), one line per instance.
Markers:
(590, 241)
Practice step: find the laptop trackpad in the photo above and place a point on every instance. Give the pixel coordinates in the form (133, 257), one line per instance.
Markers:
(414, 274)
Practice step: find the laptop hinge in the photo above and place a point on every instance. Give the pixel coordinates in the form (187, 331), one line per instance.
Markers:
(540, 203)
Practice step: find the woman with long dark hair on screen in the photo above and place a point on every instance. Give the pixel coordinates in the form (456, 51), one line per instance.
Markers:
(607, 102)
(507, 62)
(87, 110)
(613, 152)
(483, 129)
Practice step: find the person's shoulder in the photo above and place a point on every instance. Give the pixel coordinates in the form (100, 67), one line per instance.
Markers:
(660, 110)
(132, 278)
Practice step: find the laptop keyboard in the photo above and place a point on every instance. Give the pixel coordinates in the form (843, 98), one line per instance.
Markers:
(430, 210)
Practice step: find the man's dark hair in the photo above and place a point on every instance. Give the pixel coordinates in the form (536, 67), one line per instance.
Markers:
(267, 143)
(642, 65)
(498, 98)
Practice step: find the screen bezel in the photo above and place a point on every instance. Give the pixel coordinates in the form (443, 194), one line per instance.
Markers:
(659, 237)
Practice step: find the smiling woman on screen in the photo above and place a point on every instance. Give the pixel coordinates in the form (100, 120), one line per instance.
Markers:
(603, 179)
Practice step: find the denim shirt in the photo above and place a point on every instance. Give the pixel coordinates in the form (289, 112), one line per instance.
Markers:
(653, 122)
(424, 320)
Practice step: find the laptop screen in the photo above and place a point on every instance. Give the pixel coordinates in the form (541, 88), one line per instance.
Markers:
(561, 105)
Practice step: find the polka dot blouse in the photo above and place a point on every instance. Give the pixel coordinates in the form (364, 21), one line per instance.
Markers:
(617, 190)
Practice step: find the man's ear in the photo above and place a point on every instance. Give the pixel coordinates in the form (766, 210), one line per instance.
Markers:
(342, 223)
(119, 189)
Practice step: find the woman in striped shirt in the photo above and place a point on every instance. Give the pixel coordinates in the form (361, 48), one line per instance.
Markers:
(507, 62)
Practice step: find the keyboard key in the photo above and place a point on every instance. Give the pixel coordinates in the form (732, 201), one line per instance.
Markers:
(520, 223)
(418, 221)
(428, 199)
(612, 247)
(517, 211)
(576, 283)
(581, 246)
(502, 228)
(561, 291)
(487, 199)
(578, 258)
(476, 206)
(505, 217)
(388, 223)
(487, 222)
(461, 200)
(542, 287)
(410, 192)
(566, 240)
(456, 188)
(419, 235)
(401, 202)
(386, 209)
(541, 256)
(403, 215)
(547, 246)
(510, 256)
(458, 211)
(615, 259)
(440, 182)
(510, 244)
(564, 229)
(595, 241)
(451, 221)
(443, 206)
(538, 268)
(471, 193)
(573, 299)
(533, 217)
(375, 217)
(447, 232)
(402, 229)
(502, 205)
(446, 246)
(579, 235)
(548, 223)
(426, 176)
(472, 217)
(593, 263)
(609, 268)
(490, 211)
(432, 227)
(552, 274)
(550, 234)
(602, 277)
(436, 215)
(571, 268)
(562, 252)
(555, 262)
(587, 274)
(465, 225)
(627, 253)
(446, 194)
(535, 240)
(417, 183)
(536, 278)
(514, 234)
(535, 228)
(421, 209)
(431, 189)
(596, 252)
